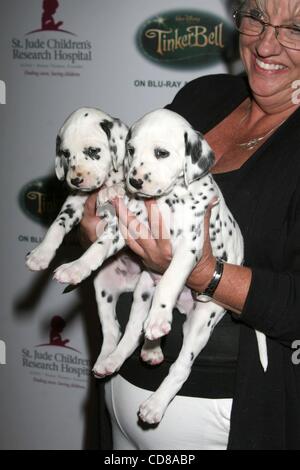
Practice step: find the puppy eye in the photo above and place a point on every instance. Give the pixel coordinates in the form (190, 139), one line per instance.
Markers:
(161, 153)
(130, 150)
(66, 154)
(92, 152)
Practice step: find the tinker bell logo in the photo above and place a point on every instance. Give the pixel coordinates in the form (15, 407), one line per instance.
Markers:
(48, 21)
(57, 326)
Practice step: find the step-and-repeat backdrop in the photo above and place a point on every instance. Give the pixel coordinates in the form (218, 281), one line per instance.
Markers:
(126, 57)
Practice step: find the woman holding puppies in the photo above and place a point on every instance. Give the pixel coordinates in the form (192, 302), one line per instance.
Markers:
(252, 124)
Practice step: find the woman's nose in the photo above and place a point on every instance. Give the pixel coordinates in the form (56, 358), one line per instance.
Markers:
(267, 43)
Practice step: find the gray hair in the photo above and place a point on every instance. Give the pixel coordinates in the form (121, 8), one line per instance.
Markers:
(262, 5)
(240, 4)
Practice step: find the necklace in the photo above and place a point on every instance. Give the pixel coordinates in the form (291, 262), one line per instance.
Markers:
(252, 143)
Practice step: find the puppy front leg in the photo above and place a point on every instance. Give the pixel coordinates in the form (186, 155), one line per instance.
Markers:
(69, 216)
(169, 288)
(110, 243)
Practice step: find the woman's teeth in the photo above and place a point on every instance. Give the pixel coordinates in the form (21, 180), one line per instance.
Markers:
(265, 66)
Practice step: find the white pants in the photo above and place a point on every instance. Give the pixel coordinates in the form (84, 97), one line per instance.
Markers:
(189, 423)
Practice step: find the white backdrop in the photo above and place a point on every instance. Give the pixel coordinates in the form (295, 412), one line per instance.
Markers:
(48, 399)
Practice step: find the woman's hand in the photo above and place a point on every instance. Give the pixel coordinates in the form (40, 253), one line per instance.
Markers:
(203, 272)
(90, 224)
(153, 244)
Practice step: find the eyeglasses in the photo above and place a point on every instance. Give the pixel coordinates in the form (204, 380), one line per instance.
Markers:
(248, 24)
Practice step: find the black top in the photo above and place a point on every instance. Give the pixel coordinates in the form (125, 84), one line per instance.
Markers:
(264, 197)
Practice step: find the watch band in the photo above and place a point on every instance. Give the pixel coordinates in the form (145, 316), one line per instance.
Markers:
(212, 286)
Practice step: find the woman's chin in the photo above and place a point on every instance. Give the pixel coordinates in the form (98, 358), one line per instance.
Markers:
(266, 86)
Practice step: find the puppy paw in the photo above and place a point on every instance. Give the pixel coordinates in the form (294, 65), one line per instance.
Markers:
(152, 410)
(157, 325)
(39, 258)
(107, 194)
(152, 356)
(107, 366)
(72, 273)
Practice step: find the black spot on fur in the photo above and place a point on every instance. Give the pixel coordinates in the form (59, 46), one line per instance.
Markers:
(92, 152)
(103, 293)
(224, 256)
(69, 211)
(145, 296)
(114, 149)
(163, 305)
(58, 144)
(192, 356)
(128, 137)
(107, 126)
(110, 299)
(59, 151)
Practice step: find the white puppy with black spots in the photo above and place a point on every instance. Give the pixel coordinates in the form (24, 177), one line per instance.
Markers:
(90, 151)
(168, 160)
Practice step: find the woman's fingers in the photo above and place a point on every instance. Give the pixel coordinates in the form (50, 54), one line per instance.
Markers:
(90, 204)
(140, 239)
(207, 217)
(158, 228)
(131, 242)
(156, 223)
(135, 228)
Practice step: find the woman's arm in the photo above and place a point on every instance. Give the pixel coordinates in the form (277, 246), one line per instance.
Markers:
(233, 288)
(265, 300)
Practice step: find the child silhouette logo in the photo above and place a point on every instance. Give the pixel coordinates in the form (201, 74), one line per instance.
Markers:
(57, 325)
(49, 8)
(48, 21)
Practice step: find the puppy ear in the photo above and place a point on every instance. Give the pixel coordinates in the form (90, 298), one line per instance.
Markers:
(199, 157)
(60, 162)
(126, 164)
(116, 132)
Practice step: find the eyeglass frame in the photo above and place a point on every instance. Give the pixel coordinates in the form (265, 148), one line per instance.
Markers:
(264, 24)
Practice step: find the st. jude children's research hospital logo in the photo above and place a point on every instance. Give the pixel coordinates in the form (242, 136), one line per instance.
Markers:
(186, 39)
(50, 45)
(56, 362)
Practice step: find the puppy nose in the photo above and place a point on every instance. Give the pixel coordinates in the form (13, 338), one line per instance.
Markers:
(137, 184)
(76, 181)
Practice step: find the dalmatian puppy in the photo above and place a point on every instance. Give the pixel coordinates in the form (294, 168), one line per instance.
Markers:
(90, 149)
(168, 160)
